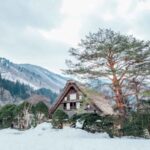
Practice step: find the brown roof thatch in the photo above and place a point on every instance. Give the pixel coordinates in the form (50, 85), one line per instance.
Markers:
(34, 99)
(95, 98)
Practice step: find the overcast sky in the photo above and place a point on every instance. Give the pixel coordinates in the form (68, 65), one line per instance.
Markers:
(41, 31)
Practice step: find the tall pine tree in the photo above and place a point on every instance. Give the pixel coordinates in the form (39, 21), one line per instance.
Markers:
(110, 55)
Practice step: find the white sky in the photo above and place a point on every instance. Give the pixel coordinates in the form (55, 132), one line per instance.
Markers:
(41, 32)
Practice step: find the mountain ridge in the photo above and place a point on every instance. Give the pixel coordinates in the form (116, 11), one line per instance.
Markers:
(35, 76)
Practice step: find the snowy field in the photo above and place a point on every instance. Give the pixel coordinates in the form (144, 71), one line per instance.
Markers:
(43, 137)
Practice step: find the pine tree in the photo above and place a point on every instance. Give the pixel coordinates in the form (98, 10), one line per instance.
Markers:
(110, 55)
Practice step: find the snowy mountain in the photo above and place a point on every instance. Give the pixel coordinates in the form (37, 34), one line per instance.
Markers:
(34, 76)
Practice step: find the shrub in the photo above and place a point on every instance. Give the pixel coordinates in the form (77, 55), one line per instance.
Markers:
(95, 123)
(136, 124)
(25, 106)
(7, 115)
(58, 118)
(23, 116)
(40, 111)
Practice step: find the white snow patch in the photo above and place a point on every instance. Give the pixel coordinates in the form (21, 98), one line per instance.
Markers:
(44, 137)
(79, 124)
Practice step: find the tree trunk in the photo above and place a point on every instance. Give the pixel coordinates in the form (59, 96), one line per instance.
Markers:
(118, 96)
(117, 88)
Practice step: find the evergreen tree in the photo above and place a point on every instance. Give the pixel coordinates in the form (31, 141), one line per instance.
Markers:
(113, 56)
(7, 115)
(40, 111)
(48, 93)
(16, 89)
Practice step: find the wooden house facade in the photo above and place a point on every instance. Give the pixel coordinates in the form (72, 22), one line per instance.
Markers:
(76, 98)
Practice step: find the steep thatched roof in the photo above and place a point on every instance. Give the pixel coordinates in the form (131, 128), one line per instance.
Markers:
(95, 98)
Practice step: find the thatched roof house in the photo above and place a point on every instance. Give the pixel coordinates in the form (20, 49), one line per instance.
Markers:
(77, 98)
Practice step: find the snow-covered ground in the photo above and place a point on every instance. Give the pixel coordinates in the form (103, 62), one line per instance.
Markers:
(43, 137)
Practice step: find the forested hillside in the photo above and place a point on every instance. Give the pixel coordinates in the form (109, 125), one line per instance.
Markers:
(35, 76)
(15, 92)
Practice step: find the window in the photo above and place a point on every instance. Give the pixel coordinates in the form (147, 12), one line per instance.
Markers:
(73, 105)
(73, 96)
(65, 106)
